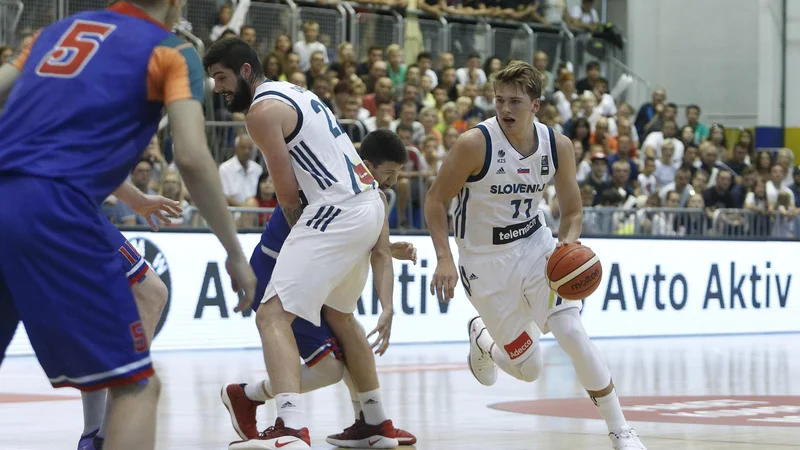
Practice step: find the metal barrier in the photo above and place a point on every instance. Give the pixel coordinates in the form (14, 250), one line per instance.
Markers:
(10, 14)
(470, 37)
(332, 24)
(375, 29)
(36, 15)
(221, 138)
(270, 21)
(512, 41)
(354, 128)
(435, 38)
(749, 223)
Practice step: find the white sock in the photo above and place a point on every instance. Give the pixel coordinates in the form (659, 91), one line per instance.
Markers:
(485, 341)
(256, 391)
(372, 406)
(290, 409)
(94, 406)
(611, 411)
(356, 402)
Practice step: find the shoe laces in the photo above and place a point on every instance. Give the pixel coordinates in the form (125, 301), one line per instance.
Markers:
(359, 424)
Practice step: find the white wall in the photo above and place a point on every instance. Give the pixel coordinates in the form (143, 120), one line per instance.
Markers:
(792, 64)
(701, 51)
(770, 52)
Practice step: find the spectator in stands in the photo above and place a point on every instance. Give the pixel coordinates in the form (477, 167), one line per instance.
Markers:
(598, 177)
(746, 139)
(344, 53)
(410, 95)
(172, 188)
(648, 184)
(248, 35)
(425, 64)
(472, 73)
(665, 168)
(621, 181)
(579, 130)
(342, 93)
(318, 67)
(298, 79)
(383, 93)
(413, 77)
(374, 55)
(431, 151)
(786, 159)
(549, 116)
(605, 102)
(583, 165)
(429, 117)
(716, 136)
(709, 162)
(228, 20)
(468, 112)
(592, 75)
(700, 181)
(738, 156)
(273, 69)
(491, 66)
(648, 111)
(693, 120)
(142, 175)
(690, 157)
(160, 165)
(383, 118)
(5, 54)
(541, 62)
(450, 137)
(720, 195)
(426, 91)
(352, 110)
(264, 197)
(601, 137)
(656, 141)
(440, 97)
(396, 68)
(775, 185)
(757, 203)
(565, 95)
(624, 147)
(322, 89)
(307, 46)
(377, 71)
(686, 135)
(449, 82)
(283, 46)
(408, 117)
(450, 118)
(763, 164)
(680, 185)
(795, 186)
(240, 174)
(584, 16)
(553, 12)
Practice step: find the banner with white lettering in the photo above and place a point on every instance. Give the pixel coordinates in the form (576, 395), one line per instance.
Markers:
(649, 288)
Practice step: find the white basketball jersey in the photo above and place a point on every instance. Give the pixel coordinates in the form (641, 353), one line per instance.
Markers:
(500, 205)
(327, 166)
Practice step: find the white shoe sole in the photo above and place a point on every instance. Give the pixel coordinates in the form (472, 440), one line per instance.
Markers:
(255, 444)
(226, 400)
(372, 442)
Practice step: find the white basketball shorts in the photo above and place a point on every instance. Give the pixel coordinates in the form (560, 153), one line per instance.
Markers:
(326, 258)
(510, 291)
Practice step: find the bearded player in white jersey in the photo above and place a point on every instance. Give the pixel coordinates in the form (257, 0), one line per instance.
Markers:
(337, 218)
(499, 170)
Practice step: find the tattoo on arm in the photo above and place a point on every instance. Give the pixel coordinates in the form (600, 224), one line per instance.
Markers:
(292, 214)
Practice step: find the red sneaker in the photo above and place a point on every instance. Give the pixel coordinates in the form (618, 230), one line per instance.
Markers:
(405, 438)
(241, 409)
(277, 437)
(363, 435)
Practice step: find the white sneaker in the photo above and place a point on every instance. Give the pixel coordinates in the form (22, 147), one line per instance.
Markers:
(480, 362)
(626, 439)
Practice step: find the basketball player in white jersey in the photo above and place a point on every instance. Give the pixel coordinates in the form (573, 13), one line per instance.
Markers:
(336, 212)
(499, 171)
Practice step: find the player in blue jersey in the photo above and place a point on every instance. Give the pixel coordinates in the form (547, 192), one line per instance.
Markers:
(84, 99)
(383, 153)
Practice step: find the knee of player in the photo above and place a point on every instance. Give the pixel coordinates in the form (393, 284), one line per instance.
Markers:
(330, 369)
(566, 326)
(151, 293)
(531, 365)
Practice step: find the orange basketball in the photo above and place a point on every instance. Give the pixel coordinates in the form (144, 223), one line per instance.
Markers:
(574, 271)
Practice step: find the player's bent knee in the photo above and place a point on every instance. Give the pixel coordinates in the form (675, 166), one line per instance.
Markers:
(151, 295)
(150, 387)
(531, 368)
(329, 370)
(271, 313)
(568, 330)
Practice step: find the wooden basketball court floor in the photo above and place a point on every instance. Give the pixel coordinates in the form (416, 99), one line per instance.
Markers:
(718, 393)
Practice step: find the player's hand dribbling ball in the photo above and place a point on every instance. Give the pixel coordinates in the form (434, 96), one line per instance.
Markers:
(574, 272)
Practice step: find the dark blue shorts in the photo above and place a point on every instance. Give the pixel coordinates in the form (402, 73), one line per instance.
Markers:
(133, 263)
(314, 343)
(62, 276)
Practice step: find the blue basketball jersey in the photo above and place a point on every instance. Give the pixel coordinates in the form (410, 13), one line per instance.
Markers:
(90, 96)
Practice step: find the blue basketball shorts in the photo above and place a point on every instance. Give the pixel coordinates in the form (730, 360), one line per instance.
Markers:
(62, 277)
(314, 343)
(133, 263)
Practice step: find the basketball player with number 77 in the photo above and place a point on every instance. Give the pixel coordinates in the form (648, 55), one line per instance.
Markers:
(498, 171)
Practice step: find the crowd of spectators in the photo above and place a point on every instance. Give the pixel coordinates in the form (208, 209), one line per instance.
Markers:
(628, 158)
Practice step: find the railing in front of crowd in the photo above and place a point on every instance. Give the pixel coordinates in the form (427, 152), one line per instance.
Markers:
(10, 14)
(597, 222)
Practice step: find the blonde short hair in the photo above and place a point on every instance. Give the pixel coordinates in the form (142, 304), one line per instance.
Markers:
(523, 75)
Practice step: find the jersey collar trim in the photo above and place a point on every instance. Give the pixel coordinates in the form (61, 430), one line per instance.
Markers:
(128, 9)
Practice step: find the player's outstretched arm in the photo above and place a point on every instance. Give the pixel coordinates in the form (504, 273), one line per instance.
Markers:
(268, 123)
(383, 274)
(200, 173)
(464, 159)
(567, 192)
